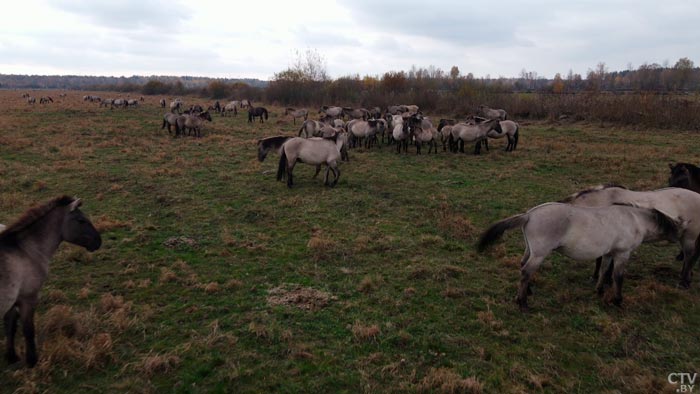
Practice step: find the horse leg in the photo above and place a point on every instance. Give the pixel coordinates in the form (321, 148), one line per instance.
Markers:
(318, 169)
(325, 178)
(689, 250)
(336, 173)
(607, 263)
(290, 168)
(26, 313)
(418, 147)
(10, 320)
(529, 266)
(618, 274)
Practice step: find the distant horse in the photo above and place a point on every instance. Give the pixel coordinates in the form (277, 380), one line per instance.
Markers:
(511, 130)
(31, 100)
(193, 123)
(45, 100)
(464, 133)
(26, 248)
(268, 144)
(361, 131)
(310, 128)
(176, 106)
(230, 107)
(245, 103)
(216, 107)
(119, 103)
(162, 103)
(170, 119)
(492, 113)
(582, 233)
(331, 113)
(314, 151)
(257, 112)
(400, 133)
(684, 175)
(297, 113)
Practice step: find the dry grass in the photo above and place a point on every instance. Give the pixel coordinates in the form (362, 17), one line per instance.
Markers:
(160, 364)
(299, 297)
(447, 381)
(365, 333)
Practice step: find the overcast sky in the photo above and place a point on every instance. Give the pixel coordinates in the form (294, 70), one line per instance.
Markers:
(256, 38)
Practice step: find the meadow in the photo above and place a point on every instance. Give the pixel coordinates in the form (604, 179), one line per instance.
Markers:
(214, 277)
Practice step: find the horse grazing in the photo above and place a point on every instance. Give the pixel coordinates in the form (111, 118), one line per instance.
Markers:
(45, 100)
(465, 133)
(230, 107)
(314, 151)
(684, 175)
(245, 103)
(26, 248)
(257, 112)
(676, 202)
(296, 113)
(31, 100)
(265, 145)
(162, 103)
(193, 123)
(582, 233)
(492, 113)
(132, 103)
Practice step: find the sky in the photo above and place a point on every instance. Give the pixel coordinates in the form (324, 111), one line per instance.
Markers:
(258, 38)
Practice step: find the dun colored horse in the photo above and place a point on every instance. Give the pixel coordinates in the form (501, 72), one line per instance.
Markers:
(26, 248)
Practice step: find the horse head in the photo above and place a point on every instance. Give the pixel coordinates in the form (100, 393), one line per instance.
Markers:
(205, 115)
(496, 125)
(680, 175)
(77, 228)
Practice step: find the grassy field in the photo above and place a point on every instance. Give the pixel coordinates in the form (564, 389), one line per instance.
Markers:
(214, 277)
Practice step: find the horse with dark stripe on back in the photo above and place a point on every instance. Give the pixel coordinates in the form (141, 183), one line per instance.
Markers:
(26, 248)
(582, 233)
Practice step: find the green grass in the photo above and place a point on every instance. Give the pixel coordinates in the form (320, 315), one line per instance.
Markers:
(393, 245)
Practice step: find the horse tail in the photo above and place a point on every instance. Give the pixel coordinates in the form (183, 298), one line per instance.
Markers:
(265, 112)
(515, 136)
(282, 168)
(495, 232)
(303, 126)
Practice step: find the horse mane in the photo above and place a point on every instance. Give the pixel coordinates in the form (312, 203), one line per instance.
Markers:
(275, 141)
(590, 190)
(33, 214)
(667, 225)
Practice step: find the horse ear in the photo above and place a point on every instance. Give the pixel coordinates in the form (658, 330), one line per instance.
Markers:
(75, 204)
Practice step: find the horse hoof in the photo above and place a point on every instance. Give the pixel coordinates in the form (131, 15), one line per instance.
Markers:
(684, 284)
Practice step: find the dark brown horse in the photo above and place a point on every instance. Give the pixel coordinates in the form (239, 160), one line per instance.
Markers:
(26, 248)
(684, 175)
(257, 112)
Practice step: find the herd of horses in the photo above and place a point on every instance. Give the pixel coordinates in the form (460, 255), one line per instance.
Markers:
(604, 223)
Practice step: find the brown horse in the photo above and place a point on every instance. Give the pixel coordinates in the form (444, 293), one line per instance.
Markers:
(26, 248)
